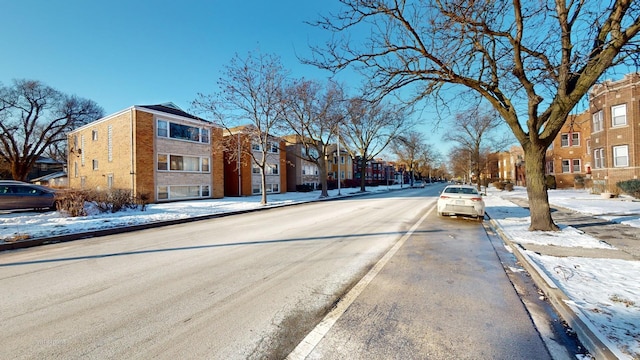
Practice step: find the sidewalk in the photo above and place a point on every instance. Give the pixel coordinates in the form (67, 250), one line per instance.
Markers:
(589, 271)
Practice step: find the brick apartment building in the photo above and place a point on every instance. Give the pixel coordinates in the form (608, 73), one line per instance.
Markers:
(569, 156)
(615, 132)
(299, 170)
(511, 166)
(241, 175)
(340, 167)
(158, 150)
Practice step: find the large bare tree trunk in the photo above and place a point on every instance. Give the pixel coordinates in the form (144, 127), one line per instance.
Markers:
(322, 167)
(363, 174)
(541, 220)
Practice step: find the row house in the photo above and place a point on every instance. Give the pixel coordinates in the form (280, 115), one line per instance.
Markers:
(157, 150)
(377, 171)
(568, 158)
(242, 177)
(614, 107)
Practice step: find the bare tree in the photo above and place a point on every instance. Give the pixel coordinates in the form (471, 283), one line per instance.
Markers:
(408, 149)
(460, 162)
(428, 162)
(34, 118)
(249, 103)
(473, 131)
(368, 128)
(532, 61)
(313, 112)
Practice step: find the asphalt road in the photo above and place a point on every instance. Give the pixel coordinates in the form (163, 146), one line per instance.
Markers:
(243, 286)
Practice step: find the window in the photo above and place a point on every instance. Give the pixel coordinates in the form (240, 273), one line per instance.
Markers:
(163, 129)
(271, 169)
(619, 115)
(274, 148)
(575, 139)
(175, 192)
(94, 135)
(168, 162)
(598, 158)
(184, 132)
(95, 164)
(204, 135)
(549, 167)
(110, 143)
(82, 150)
(598, 122)
(255, 169)
(75, 169)
(163, 164)
(575, 166)
(109, 181)
(256, 147)
(621, 156)
(564, 140)
(184, 163)
(565, 166)
(163, 192)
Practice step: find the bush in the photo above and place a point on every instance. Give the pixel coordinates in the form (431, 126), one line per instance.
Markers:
(550, 181)
(71, 202)
(112, 200)
(498, 185)
(631, 187)
(508, 186)
(304, 188)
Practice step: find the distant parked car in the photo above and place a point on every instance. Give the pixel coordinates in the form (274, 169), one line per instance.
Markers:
(461, 200)
(17, 195)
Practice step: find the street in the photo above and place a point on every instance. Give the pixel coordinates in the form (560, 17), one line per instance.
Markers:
(253, 285)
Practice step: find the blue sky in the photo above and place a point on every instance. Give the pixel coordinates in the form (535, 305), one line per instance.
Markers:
(121, 53)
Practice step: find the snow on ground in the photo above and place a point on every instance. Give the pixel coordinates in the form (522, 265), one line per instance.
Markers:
(604, 292)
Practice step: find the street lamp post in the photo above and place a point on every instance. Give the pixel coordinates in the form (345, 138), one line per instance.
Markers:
(339, 158)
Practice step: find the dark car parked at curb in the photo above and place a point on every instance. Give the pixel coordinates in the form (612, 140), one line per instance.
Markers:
(17, 195)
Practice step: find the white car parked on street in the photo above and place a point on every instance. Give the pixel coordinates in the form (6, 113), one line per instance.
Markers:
(461, 200)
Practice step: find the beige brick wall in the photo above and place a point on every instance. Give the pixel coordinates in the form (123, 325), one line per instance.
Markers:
(118, 165)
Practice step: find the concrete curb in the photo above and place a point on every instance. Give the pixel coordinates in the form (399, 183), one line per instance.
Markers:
(557, 298)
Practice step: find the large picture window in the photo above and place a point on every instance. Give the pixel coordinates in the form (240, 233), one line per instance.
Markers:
(177, 192)
(169, 162)
(182, 132)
